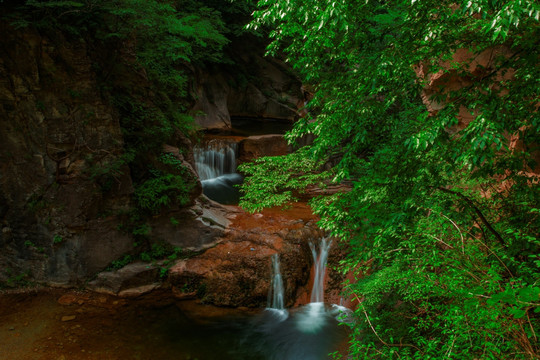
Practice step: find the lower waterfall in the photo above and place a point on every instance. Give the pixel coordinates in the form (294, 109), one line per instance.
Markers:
(308, 332)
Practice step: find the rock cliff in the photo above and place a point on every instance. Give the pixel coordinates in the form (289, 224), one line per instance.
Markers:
(54, 126)
(254, 86)
(68, 191)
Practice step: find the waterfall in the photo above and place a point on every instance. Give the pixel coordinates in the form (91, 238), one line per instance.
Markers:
(275, 296)
(317, 293)
(216, 166)
(217, 158)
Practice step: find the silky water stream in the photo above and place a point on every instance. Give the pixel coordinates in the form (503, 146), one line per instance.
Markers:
(215, 162)
(309, 332)
(42, 326)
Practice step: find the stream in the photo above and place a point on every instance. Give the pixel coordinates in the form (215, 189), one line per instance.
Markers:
(62, 324)
(71, 325)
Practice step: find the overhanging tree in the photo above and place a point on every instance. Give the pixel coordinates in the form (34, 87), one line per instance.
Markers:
(443, 216)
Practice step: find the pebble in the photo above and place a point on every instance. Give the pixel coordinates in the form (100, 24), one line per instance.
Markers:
(68, 317)
(12, 328)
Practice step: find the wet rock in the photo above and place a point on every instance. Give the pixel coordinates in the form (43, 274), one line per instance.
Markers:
(265, 88)
(264, 145)
(196, 228)
(68, 299)
(131, 280)
(237, 271)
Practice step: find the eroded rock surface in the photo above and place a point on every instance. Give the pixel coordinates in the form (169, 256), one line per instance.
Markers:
(255, 87)
(64, 187)
(254, 147)
(54, 124)
(237, 271)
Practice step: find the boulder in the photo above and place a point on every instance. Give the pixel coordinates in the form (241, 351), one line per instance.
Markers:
(254, 147)
(131, 280)
(237, 271)
(194, 229)
(257, 87)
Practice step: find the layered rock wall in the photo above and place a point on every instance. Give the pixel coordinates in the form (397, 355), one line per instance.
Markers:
(53, 122)
(65, 188)
(256, 87)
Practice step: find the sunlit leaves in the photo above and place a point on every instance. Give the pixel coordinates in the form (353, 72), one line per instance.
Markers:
(292, 174)
(430, 109)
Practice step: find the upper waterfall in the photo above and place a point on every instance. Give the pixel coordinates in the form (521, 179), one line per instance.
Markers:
(215, 162)
(216, 158)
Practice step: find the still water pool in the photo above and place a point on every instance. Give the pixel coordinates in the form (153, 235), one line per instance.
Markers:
(94, 326)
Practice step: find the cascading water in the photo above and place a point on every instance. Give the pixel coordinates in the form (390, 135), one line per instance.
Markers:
(216, 165)
(275, 298)
(310, 332)
(216, 158)
(314, 317)
(317, 292)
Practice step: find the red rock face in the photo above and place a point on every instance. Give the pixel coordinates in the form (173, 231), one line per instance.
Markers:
(237, 271)
(264, 145)
(449, 79)
(474, 67)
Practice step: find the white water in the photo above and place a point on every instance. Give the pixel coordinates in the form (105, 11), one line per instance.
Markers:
(275, 298)
(215, 163)
(317, 293)
(216, 158)
(309, 332)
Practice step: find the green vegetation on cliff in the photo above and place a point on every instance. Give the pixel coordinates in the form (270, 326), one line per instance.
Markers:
(430, 109)
(144, 54)
(133, 63)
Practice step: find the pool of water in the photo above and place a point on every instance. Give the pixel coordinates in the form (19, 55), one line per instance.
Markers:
(94, 326)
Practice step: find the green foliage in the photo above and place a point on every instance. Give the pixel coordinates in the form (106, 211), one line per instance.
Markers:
(36, 202)
(15, 279)
(157, 251)
(291, 175)
(163, 190)
(57, 239)
(120, 263)
(29, 244)
(163, 253)
(141, 230)
(168, 37)
(442, 216)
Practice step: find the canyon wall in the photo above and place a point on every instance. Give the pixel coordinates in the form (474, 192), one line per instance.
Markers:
(67, 191)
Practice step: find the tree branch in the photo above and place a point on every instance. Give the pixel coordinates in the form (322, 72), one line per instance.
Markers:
(478, 212)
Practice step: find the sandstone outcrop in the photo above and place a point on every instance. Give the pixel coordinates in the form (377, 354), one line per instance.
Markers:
(254, 147)
(237, 271)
